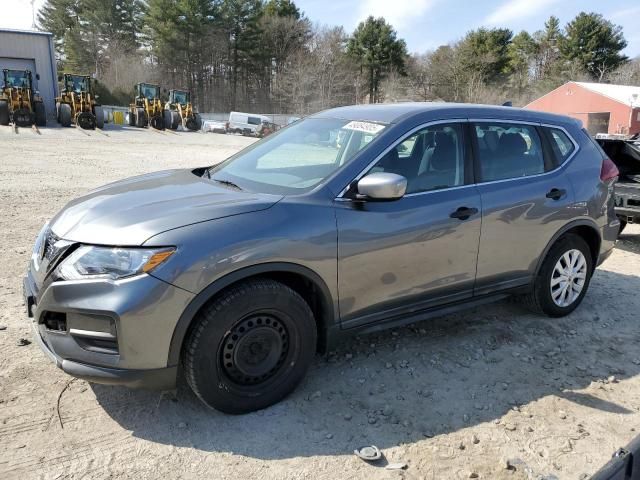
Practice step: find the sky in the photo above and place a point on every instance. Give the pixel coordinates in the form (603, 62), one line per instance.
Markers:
(426, 24)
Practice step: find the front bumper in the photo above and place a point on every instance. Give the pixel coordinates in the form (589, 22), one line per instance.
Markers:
(108, 332)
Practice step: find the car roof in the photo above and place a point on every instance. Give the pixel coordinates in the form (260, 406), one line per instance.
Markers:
(395, 112)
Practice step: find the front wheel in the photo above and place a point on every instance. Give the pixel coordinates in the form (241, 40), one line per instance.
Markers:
(563, 279)
(65, 115)
(250, 347)
(141, 118)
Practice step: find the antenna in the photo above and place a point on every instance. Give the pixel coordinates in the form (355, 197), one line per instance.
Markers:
(33, 15)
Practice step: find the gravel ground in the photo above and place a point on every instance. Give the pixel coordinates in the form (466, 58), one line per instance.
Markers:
(494, 392)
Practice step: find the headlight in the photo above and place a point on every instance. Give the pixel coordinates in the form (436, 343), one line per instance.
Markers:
(104, 262)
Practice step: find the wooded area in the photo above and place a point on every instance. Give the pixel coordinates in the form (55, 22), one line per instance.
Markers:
(267, 56)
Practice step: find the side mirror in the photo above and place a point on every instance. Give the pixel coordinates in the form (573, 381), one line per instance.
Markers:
(382, 186)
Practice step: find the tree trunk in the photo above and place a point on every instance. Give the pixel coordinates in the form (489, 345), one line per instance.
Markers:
(371, 85)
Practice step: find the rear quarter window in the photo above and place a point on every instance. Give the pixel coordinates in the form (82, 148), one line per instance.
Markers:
(561, 144)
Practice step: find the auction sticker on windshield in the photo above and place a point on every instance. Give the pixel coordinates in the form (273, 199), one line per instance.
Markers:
(366, 127)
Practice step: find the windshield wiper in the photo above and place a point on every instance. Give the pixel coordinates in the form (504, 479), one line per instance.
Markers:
(227, 183)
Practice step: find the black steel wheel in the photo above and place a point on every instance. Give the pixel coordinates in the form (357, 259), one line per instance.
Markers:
(250, 346)
(254, 349)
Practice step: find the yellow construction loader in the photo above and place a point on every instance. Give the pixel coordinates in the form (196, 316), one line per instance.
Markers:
(19, 103)
(147, 107)
(179, 111)
(77, 103)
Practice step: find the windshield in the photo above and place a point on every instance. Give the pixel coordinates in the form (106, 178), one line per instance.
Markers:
(180, 97)
(77, 84)
(17, 78)
(149, 91)
(297, 158)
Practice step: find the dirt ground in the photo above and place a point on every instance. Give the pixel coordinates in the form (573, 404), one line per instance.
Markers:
(494, 392)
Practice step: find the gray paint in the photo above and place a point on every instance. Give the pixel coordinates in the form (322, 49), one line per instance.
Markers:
(19, 47)
(373, 262)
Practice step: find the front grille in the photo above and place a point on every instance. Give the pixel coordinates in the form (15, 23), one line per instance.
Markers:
(52, 250)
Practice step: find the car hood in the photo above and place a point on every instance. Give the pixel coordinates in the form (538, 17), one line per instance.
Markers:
(130, 211)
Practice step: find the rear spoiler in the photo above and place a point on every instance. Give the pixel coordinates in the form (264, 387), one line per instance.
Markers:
(625, 464)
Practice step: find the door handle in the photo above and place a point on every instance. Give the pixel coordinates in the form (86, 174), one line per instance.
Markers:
(463, 213)
(556, 193)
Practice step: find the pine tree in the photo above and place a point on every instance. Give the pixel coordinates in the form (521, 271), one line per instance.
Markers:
(374, 44)
(595, 44)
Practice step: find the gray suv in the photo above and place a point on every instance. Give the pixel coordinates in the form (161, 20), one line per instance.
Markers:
(351, 220)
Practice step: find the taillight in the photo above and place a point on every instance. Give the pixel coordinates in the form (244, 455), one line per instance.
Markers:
(609, 171)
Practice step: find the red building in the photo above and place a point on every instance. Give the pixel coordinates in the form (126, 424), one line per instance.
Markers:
(603, 108)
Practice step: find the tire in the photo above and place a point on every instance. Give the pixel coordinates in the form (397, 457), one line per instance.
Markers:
(41, 115)
(166, 115)
(99, 117)
(141, 118)
(4, 113)
(255, 311)
(58, 112)
(65, 114)
(540, 299)
(132, 118)
(175, 120)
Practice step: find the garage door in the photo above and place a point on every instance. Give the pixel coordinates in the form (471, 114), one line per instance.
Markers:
(20, 64)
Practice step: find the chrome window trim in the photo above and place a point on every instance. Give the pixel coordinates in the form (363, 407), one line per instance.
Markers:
(340, 196)
(402, 138)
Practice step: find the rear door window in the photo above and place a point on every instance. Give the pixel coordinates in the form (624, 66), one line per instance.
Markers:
(508, 150)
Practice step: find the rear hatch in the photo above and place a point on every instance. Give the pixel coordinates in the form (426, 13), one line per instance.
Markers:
(626, 155)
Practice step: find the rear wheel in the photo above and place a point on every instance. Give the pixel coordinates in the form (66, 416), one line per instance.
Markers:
(4, 112)
(141, 118)
(250, 347)
(99, 117)
(65, 115)
(41, 115)
(563, 279)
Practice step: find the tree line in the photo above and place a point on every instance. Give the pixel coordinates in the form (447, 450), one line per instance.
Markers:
(267, 56)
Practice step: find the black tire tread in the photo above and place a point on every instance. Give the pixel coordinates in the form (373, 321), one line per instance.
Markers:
(4, 112)
(208, 314)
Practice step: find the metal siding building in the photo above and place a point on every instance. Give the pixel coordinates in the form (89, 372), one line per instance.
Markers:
(602, 107)
(32, 50)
